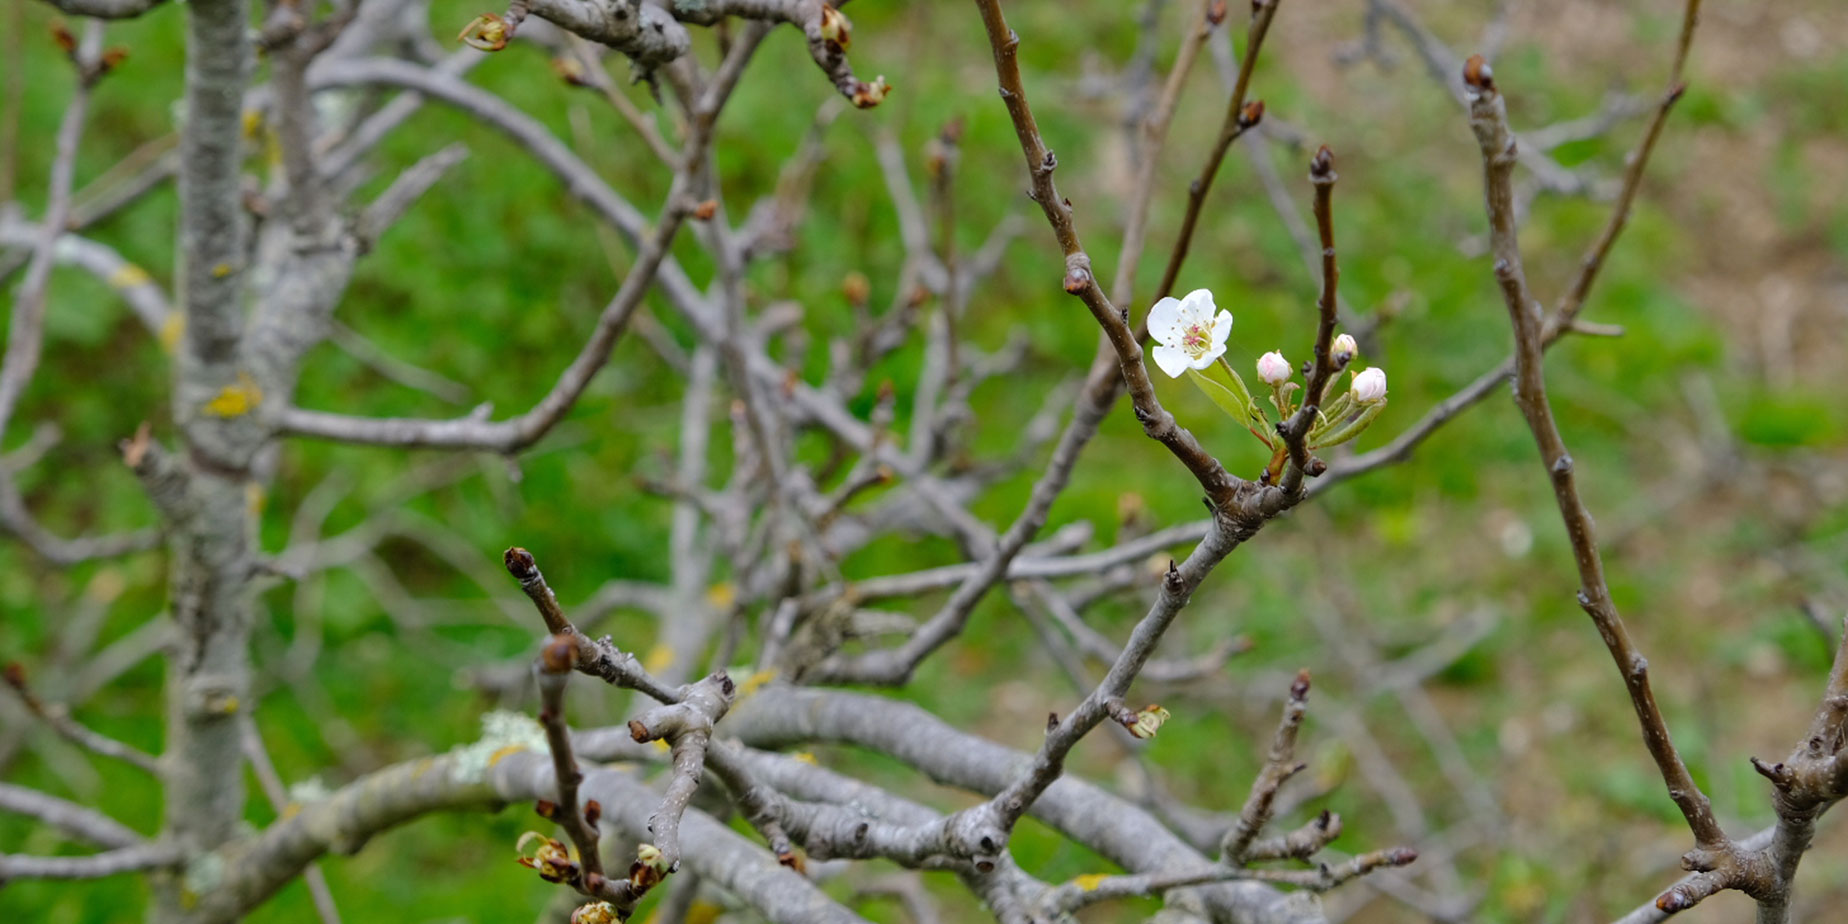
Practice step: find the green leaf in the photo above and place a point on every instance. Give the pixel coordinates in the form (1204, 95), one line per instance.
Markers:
(1229, 392)
(1347, 431)
(1237, 406)
(1330, 417)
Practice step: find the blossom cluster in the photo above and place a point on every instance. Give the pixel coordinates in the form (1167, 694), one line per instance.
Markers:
(1190, 335)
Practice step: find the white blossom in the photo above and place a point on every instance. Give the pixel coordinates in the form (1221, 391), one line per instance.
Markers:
(1370, 385)
(1189, 332)
(1274, 369)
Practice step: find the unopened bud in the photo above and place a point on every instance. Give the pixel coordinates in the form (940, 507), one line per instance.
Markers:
(487, 32)
(1370, 385)
(552, 859)
(1477, 75)
(1147, 722)
(559, 654)
(868, 95)
(1322, 166)
(706, 209)
(835, 27)
(856, 288)
(595, 913)
(61, 34)
(649, 867)
(570, 70)
(1345, 349)
(1252, 114)
(1273, 369)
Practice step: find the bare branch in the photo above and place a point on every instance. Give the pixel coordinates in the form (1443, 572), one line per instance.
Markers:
(1489, 121)
(68, 817)
(74, 731)
(106, 9)
(1279, 766)
(1240, 116)
(599, 658)
(135, 859)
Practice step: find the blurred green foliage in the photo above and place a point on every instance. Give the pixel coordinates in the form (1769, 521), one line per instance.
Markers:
(493, 278)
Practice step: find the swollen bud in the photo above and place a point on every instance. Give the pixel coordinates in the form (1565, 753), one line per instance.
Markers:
(835, 27)
(1273, 369)
(595, 913)
(487, 32)
(1370, 385)
(1322, 166)
(552, 859)
(1252, 114)
(1345, 349)
(1477, 75)
(1147, 722)
(559, 654)
(868, 95)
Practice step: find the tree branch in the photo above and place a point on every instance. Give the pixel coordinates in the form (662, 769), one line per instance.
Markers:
(1489, 122)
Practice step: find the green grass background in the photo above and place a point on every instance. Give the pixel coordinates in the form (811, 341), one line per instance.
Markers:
(494, 277)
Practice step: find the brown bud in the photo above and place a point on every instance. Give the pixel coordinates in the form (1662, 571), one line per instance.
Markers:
(1076, 281)
(559, 654)
(112, 58)
(1476, 73)
(1323, 164)
(593, 810)
(856, 288)
(705, 210)
(61, 34)
(135, 448)
(570, 70)
(637, 730)
(835, 27)
(1216, 13)
(520, 564)
(546, 809)
(1252, 114)
(794, 860)
(15, 675)
(867, 95)
(1299, 688)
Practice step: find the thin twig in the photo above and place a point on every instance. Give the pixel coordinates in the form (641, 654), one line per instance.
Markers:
(1489, 121)
(1240, 116)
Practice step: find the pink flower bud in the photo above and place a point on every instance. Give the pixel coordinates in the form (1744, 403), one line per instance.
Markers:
(1370, 385)
(1345, 348)
(1273, 369)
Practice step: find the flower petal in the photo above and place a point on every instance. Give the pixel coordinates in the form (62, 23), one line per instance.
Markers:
(1222, 328)
(1206, 359)
(1172, 360)
(1199, 303)
(1165, 321)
